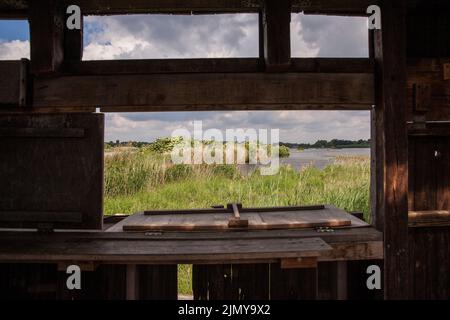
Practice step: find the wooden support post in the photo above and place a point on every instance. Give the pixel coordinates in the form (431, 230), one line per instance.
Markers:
(276, 16)
(73, 44)
(391, 207)
(46, 36)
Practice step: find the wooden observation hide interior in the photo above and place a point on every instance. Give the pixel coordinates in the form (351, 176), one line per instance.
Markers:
(51, 163)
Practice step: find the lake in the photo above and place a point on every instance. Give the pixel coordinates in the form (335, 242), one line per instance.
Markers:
(318, 158)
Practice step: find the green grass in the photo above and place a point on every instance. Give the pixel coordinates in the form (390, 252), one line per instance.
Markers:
(144, 180)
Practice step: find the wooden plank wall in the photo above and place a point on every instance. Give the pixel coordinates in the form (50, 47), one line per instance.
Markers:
(51, 169)
(429, 151)
(270, 281)
(429, 190)
(104, 282)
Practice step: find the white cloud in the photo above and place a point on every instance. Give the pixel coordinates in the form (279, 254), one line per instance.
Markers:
(329, 36)
(14, 50)
(165, 36)
(295, 126)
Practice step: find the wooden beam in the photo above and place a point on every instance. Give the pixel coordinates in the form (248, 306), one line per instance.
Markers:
(391, 147)
(47, 26)
(13, 9)
(102, 7)
(226, 91)
(276, 31)
(214, 65)
(333, 7)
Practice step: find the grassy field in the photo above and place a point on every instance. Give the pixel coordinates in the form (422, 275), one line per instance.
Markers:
(144, 180)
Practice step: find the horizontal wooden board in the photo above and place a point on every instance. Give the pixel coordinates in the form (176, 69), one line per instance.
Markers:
(190, 92)
(348, 244)
(42, 132)
(430, 218)
(215, 65)
(161, 251)
(40, 216)
(328, 217)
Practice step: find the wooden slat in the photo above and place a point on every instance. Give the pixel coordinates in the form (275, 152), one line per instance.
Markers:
(391, 147)
(207, 91)
(345, 235)
(42, 132)
(429, 263)
(149, 66)
(293, 284)
(227, 210)
(335, 7)
(430, 218)
(40, 216)
(47, 25)
(161, 251)
(265, 220)
(347, 244)
(348, 7)
(101, 7)
(276, 30)
(157, 282)
(17, 9)
(214, 65)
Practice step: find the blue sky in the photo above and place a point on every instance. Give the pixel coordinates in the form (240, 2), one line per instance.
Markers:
(14, 30)
(163, 36)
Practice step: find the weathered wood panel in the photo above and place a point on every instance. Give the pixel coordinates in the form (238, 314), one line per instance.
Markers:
(106, 282)
(391, 207)
(428, 29)
(429, 190)
(28, 281)
(430, 73)
(254, 282)
(51, 170)
(218, 219)
(429, 263)
(293, 284)
(207, 91)
(157, 282)
(12, 83)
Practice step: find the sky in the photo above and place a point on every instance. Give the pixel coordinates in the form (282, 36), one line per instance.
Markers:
(213, 36)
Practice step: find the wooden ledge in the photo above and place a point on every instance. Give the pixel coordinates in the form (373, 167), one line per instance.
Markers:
(431, 218)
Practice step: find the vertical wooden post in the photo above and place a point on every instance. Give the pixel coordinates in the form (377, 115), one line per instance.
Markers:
(391, 207)
(276, 29)
(46, 36)
(341, 280)
(73, 44)
(131, 282)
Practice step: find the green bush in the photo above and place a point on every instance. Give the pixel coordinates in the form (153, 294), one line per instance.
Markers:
(283, 152)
